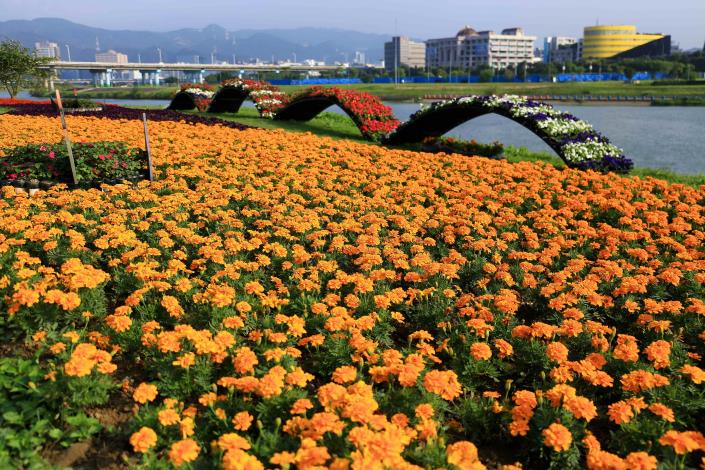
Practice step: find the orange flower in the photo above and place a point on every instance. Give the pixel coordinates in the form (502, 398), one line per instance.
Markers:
(480, 351)
(144, 393)
(683, 442)
(143, 440)
(242, 421)
(184, 451)
(344, 374)
(663, 411)
(443, 383)
(557, 437)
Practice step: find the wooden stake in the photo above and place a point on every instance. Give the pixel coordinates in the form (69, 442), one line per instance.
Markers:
(147, 147)
(66, 137)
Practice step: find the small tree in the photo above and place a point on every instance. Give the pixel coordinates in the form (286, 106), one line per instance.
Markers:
(18, 66)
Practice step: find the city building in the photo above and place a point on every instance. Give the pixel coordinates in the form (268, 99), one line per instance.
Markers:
(469, 49)
(553, 43)
(360, 58)
(610, 41)
(111, 57)
(47, 49)
(403, 52)
(567, 53)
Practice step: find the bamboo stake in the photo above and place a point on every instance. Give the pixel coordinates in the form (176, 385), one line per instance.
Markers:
(147, 147)
(66, 137)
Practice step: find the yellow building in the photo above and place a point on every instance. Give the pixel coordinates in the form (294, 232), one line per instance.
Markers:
(603, 42)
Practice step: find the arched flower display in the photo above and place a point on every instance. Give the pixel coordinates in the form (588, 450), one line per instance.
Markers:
(192, 95)
(371, 116)
(268, 99)
(573, 139)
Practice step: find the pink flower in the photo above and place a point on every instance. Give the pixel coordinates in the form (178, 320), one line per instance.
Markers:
(102, 157)
(52, 154)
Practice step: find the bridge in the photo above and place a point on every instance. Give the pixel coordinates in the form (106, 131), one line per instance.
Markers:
(151, 72)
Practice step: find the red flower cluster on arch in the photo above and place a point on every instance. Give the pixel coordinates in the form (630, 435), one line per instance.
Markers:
(374, 117)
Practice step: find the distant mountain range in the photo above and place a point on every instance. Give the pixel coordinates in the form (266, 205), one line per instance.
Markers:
(329, 45)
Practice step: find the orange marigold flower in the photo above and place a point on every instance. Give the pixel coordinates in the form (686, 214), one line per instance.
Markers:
(620, 412)
(683, 442)
(168, 416)
(144, 393)
(557, 352)
(172, 306)
(480, 351)
(119, 323)
(505, 349)
(424, 411)
(344, 374)
(463, 455)
(581, 407)
(242, 421)
(641, 461)
(658, 352)
(143, 440)
(697, 375)
(300, 406)
(663, 411)
(443, 383)
(184, 451)
(557, 437)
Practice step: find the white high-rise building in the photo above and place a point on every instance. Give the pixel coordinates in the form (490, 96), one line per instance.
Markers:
(470, 48)
(47, 49)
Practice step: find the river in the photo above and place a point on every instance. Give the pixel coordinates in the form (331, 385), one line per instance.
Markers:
(669, 137)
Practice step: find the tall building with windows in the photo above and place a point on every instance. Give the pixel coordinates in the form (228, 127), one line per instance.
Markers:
(47, 49)
(111, 57)
(553, 43)
(608, 41)
(470, 48)
(403, 52)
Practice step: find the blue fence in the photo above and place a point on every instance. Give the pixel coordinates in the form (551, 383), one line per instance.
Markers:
(317, 81)
(533, 78)
(460, 79)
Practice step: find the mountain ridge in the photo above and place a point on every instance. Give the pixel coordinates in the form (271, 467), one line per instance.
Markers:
(326, 44)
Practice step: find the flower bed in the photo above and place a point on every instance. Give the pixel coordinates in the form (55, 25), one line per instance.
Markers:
(267, 98)
(346, 305)
(574, 140)
(34, 165)
(371, 116)
(119, 113)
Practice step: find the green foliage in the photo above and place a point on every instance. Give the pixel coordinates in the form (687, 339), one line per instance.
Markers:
(36, 411)
(18, 67)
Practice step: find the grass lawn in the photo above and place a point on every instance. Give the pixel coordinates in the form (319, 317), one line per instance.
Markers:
(413, 91)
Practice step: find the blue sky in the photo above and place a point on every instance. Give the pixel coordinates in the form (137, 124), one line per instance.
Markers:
(683, 19)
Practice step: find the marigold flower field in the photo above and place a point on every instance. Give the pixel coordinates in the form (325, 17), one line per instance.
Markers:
(279, 300)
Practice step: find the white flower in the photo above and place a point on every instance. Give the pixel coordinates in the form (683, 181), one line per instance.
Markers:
(591, 149)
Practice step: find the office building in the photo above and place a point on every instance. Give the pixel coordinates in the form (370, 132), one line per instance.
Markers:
(47, 49)
(111, 57)
(551, 44)
(612, 41)
(403, 52)
(469, 49)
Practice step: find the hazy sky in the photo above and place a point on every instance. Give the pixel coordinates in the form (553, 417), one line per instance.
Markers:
(683, 19)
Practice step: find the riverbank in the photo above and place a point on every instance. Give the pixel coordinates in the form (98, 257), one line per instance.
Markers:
(417, 91)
